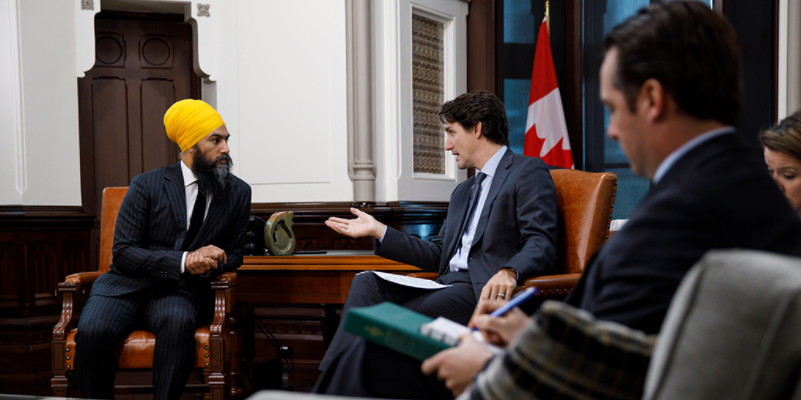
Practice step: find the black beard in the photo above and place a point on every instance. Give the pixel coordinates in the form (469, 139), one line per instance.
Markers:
(212, 178)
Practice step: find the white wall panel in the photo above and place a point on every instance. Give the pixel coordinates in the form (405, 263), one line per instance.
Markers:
(12, 179)
(50, 103)
(292, 100)
(789, 57)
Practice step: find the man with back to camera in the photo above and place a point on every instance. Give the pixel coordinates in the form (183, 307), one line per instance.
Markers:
(178, 228)
(500, 229)
(671, 80)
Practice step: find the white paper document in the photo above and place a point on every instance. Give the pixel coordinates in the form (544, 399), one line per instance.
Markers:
(449, 332)
(407, 281)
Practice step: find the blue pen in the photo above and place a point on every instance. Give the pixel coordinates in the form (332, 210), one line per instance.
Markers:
(516, 301)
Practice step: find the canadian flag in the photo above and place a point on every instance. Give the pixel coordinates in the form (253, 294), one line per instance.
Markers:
(546, 130)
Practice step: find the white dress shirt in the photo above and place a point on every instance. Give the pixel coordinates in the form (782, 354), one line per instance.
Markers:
(190, 184)
(459, 260)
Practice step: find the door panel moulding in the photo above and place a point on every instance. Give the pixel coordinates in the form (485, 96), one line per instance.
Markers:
(200, 14)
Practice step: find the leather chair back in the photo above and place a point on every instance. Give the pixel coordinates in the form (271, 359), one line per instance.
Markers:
(584, 205)
(112, 199)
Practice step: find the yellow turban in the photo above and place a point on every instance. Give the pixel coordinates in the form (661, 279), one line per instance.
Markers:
(188, 121)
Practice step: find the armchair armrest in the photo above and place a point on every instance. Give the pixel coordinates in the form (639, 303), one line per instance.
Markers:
(423, 275)
(223, 287)
(554, 284)
(80, 282)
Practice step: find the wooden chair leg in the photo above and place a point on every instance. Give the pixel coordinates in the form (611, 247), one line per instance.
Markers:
(217, 386)
(60, 386)
(59, 383)
(234, 355)
(206, 374)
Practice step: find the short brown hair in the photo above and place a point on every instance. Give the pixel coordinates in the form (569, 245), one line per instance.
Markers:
(690, 49)
(471, 108)
(784, 137)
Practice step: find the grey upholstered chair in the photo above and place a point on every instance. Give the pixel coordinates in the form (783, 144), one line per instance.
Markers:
(733, 331)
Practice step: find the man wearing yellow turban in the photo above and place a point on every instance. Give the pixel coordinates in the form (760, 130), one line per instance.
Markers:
(177, 229)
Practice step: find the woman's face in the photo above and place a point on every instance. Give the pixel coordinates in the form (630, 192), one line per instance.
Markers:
(786, 171)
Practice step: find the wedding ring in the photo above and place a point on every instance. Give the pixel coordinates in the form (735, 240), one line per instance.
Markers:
(501, 295)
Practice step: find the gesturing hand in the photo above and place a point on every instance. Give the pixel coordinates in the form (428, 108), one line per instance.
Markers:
(364, 225)
(499, 330)
(457, 366)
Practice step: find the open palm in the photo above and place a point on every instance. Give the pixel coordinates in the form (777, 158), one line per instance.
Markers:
(363, 225)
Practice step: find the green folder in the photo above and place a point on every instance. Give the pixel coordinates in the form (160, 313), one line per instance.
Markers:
(395, 327)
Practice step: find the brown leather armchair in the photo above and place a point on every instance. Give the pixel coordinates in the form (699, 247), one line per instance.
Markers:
(217, 345)
(584, 207)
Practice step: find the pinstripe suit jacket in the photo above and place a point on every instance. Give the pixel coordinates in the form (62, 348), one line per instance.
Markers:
(151, 227)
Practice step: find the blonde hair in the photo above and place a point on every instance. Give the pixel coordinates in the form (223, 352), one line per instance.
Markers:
(784, 137)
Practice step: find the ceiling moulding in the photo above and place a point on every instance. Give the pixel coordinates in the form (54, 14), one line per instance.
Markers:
(202, 15)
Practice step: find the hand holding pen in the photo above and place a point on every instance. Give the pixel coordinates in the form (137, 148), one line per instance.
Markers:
(499, 320)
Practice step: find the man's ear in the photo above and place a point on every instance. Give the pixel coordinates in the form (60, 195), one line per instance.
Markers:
(652, 99)
(477, 130)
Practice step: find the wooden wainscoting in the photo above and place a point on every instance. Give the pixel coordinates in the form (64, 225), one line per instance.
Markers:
(39, 246)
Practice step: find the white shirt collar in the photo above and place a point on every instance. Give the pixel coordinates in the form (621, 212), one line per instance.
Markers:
(671, 159)
(492, 163)
(189, 176)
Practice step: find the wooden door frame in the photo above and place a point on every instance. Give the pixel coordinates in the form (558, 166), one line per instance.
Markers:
(86, 142)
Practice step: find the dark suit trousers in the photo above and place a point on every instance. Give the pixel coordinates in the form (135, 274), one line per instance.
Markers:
(348, 353)
(172, 313)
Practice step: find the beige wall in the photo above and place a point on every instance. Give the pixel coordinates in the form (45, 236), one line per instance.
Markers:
(40, 155)
(283, 87)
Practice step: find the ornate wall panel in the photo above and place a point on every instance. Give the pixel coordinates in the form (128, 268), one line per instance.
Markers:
(428, 81)
(11, 253)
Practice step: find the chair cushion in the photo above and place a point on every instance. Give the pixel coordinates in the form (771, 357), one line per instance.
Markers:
(136, 352)
(732, 331)
(565, 353)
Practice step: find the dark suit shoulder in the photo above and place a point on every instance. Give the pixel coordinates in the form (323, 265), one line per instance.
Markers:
(156, 175)
(725, 174)
(529, 163)
(239, 184)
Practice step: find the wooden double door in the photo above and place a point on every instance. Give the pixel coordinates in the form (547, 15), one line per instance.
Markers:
(143, 65)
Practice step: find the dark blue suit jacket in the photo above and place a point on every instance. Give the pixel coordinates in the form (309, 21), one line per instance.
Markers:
(718, 195)
(151, 227)
(517, 226)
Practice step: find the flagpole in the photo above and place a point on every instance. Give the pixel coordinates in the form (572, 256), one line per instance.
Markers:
(547, 15)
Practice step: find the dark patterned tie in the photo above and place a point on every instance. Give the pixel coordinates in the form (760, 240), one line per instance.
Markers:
(475, 194)
(198, 212)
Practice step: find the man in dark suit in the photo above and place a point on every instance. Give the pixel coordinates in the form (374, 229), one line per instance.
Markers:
(178, 228)
(500, 229)
(672, 83)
